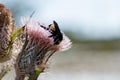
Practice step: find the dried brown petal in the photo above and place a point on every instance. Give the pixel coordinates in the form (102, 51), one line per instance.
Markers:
(6, 29)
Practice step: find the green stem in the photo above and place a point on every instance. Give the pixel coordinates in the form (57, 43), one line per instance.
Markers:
(35, 75)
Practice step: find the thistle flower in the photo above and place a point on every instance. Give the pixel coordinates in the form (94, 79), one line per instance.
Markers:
(37, 49)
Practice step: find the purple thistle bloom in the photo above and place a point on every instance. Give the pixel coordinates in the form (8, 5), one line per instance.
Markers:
(37, 48)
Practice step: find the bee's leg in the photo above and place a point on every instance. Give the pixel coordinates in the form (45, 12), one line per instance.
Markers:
(43, 26)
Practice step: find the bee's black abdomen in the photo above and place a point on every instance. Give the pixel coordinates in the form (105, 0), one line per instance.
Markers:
(58, 38)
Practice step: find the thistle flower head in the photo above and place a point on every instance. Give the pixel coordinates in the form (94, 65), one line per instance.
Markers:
(35, 30)
(38, 47)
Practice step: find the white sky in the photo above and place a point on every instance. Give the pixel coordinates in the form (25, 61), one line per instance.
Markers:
(92, 18)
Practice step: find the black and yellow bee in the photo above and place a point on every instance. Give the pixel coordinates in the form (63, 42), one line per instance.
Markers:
(55, 31)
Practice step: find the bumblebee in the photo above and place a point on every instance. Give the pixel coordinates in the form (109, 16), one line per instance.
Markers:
(55, 32)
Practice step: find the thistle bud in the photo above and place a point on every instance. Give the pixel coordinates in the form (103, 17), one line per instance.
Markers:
(6, 30)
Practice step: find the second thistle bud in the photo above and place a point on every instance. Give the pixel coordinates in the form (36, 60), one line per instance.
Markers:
(6, 30)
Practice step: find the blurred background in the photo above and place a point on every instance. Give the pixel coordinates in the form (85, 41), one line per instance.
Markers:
(92, 25)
